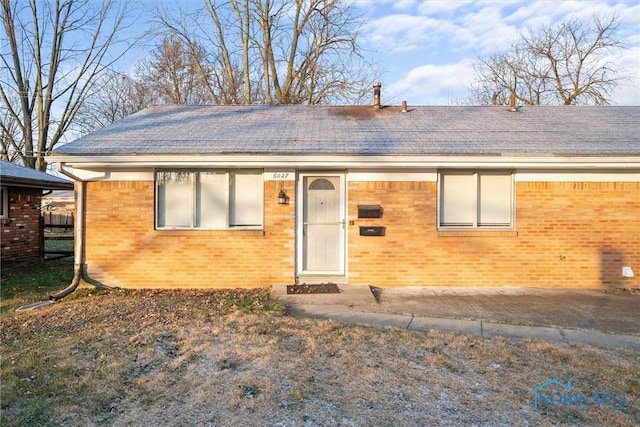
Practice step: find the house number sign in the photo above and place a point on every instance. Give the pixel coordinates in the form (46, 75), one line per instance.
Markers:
(279, 176)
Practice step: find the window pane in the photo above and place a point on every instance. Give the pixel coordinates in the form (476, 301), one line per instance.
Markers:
(175, 199)
(212, 200)
(495, 200)
(458, 200)
(322, 184)
(246, 199)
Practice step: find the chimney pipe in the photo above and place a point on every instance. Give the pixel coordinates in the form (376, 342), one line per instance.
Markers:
(404, 106)
(513, 102)
(376, 95)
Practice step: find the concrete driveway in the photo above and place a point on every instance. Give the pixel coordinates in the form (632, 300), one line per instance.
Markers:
(613, 312)
(609, 318)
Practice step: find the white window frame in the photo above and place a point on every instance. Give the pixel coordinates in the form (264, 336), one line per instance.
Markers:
(473, 204)
(224, 195)
(4, 202)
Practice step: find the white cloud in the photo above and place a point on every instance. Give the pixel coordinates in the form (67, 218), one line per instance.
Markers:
(431, 85)
(629, 15)
(484, 30)
(430, 7)
(404, 5)
(403, 32)
(438, 41)
(479, 28)
(628, 91)
(540, 11)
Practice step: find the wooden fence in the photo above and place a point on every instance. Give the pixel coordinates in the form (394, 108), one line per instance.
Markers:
(57, 234)
(57, 222)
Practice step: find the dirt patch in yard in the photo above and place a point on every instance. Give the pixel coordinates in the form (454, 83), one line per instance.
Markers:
(232, 358)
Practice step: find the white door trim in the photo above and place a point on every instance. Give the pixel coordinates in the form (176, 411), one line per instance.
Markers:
(300, 226)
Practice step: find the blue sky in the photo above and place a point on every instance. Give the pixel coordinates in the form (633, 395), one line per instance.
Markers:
(426, 48)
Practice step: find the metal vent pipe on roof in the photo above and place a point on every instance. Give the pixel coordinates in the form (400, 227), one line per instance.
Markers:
(376, 94)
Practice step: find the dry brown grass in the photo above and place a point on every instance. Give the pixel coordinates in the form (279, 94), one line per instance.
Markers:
(205, 358)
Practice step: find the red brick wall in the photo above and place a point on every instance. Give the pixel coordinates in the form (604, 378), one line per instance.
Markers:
(123, 249)
(20, 233)
(567, 235)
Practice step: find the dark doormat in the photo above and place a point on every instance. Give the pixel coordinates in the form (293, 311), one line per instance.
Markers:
(321, 288)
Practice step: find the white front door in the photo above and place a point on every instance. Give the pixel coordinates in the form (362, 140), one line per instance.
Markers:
(322, 240)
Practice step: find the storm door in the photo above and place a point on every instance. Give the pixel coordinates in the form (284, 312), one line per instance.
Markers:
(322, 225)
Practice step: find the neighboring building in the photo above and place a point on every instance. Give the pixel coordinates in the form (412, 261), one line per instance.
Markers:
(59, 200)
(20, 212)
(57, 210)
(250, 196)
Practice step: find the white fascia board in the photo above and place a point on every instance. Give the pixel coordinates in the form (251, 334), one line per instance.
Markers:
(352, 162)
(573, 175)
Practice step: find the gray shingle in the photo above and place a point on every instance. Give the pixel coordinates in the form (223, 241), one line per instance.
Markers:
(11, 173)
(362, 130)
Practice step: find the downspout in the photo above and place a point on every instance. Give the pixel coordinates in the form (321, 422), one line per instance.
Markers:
(78, 250)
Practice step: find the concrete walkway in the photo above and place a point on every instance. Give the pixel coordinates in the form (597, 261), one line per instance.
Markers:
(610, 319)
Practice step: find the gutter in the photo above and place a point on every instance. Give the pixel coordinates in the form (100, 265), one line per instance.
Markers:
(78, 252)
(538, 161)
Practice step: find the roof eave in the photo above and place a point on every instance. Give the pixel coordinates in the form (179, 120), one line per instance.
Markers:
(32, 183)
(349, 161)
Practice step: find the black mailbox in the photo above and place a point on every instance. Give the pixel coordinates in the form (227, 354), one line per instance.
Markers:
(372, 231)
(370, 211)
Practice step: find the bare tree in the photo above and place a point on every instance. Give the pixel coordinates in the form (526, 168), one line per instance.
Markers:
(11, 142)
(242, 52)
(213, 61)
(323, 39)
(115, 96)
(225, 65)
(53, 55)
(571, 62)
(173, 73)
(515, 71)
(286, 51)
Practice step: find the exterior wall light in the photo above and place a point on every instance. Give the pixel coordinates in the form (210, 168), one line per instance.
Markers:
(283, 199)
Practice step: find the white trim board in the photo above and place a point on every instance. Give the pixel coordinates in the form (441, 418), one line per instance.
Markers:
(383, 175)
(350, 162)
(576, 176)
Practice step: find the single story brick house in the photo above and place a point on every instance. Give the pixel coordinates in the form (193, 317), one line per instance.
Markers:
(21, 232)
(250, 196)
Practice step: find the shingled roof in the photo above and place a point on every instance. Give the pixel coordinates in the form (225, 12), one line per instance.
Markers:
(20, 176)
(363, 130)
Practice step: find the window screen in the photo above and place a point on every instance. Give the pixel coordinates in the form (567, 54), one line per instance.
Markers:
(175, 197)
(458, 200)
(495, 200)
(209, 199)
(475, 199)
(246, 199)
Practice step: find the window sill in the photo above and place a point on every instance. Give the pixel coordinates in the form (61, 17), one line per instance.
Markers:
(191, 231)
(477, 233)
